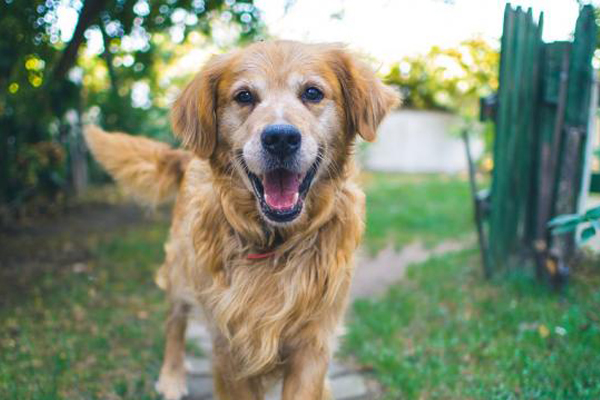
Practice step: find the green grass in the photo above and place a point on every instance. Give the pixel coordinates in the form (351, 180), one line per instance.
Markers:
(97, 333)
(92, 334)
(441, 333)
(405, 208)
(444, 333)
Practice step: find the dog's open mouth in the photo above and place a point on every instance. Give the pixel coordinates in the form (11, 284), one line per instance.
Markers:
(281, 192)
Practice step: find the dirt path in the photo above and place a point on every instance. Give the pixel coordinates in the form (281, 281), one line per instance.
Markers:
(373, 275)
(30, 248)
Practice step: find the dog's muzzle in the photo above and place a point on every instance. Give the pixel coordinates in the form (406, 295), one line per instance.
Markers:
(283, 186)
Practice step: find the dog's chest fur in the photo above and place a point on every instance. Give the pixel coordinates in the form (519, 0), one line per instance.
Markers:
(263, 306)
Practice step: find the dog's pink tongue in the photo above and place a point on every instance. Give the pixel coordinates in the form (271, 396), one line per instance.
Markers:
(281, 189)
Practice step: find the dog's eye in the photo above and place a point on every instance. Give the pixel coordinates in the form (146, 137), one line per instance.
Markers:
(312, 94)
(244, 97)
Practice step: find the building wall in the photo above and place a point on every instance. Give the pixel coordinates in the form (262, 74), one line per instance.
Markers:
(418, 141)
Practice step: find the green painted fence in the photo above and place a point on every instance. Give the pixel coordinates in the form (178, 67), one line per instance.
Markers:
(541, 114)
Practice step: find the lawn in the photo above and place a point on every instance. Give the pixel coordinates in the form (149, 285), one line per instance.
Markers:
(444, 333)
(93, 329)
(405, 208)
(90, 330)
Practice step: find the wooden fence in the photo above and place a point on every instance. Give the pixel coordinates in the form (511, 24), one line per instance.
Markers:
(542, 115)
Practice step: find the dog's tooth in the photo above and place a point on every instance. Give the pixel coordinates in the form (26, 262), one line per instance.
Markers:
(296, 197)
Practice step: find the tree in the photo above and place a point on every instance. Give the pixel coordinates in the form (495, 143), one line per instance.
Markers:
(448, 79)
(43, 93)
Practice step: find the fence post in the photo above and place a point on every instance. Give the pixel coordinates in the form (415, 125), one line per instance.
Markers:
(479, 209)
(77, 153)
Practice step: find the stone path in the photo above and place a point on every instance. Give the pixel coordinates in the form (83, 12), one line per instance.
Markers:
(372, 277)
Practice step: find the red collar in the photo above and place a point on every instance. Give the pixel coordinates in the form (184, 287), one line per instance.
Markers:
(267, 254)
(260, 256)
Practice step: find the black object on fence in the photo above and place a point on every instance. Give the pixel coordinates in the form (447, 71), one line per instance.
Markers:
(542, 115)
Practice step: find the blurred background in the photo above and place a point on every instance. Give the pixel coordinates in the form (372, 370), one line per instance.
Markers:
(449, 301)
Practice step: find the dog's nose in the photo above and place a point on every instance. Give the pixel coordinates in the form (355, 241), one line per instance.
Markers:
(281, 140)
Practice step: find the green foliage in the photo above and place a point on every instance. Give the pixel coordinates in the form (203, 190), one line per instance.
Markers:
(39, 167)
(405, 208)
(569, 222)
(448, 79)
(443, 333)
(45, 75)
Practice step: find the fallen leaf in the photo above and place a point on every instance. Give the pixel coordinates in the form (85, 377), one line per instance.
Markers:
(142, 314)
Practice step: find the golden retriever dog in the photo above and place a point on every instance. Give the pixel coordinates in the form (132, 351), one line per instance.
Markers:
(267, 214)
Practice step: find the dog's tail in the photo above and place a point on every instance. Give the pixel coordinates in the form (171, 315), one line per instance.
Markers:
(150, 171)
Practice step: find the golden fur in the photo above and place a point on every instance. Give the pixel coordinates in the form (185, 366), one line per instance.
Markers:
(268, 317)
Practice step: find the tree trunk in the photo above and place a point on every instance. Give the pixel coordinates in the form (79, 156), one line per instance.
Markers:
(108, 59)
(77, 149)
(88, 16)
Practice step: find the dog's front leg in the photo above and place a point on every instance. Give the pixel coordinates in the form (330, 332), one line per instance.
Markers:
(171, 383)
(227, 385)
(305, 374)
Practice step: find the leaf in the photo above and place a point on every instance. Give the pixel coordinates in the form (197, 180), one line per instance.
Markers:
(563, 229)
(543, 331)
(564, 219)
(587, 234)
(593, 213)
(566, 227)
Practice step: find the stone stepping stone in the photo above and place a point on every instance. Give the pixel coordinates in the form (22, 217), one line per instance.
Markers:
(200, 388)
(348, 387)
(197, 366)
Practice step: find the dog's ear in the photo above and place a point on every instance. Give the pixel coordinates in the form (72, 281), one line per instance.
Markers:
(366, 99)
(194, 113)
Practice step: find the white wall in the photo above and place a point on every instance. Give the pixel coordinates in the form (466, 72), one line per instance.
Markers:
(419, 141)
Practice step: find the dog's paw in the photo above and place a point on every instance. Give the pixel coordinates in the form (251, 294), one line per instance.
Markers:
(171, 385)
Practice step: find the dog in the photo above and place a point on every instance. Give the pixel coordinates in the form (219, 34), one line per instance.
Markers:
(267, 215)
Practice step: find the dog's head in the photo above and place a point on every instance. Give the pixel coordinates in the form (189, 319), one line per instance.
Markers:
(281, 115)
